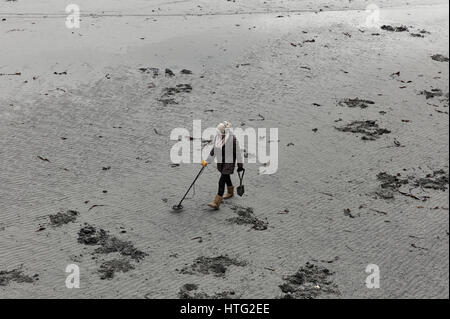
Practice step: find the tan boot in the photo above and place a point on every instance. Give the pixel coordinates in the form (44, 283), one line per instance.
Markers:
(216, 202)
(230, 192)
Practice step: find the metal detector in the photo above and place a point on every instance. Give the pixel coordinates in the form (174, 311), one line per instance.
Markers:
(179, 206)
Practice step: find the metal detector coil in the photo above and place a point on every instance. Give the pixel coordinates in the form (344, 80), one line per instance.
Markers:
(179, 207)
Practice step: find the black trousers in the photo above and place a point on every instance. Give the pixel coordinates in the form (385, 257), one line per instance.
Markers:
(224, 179)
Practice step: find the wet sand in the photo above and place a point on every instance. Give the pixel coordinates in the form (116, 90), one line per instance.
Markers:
(86, 176)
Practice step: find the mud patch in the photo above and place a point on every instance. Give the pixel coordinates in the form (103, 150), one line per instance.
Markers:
(439, 58)
(391, 184)
(391, 28)
(125, 248)
(167, 101)
(391, 181)
(247, 217)
(110, 267)
(153, 71)
(16, 275)
(215, 265)
(438, 180)
(168, 94)
(308, 282)
(179, 88)
(189, 291)
(432, 94)
(89, 235)
(417, 35)
(356, 103)
(369, 129)
(61, 218)
(169, 73)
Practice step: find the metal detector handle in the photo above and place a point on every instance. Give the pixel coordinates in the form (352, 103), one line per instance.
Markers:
(198, 175)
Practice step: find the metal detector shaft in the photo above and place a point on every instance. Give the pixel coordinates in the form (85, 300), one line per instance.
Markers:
(198, 175)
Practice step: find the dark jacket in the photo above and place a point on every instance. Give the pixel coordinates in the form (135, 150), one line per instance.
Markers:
(222, 165)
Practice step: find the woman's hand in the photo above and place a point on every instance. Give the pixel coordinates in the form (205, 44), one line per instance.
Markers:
(204, 163)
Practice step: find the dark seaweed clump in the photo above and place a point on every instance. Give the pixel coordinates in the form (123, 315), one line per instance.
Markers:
(89, 235)
(189, 291)
(110, 267)
(394, 28)
(15, 275)
(63, 218)
(308, 282)
(215, 265)
(247, 217)
(369, 129)
(361, 103)
(437, 180)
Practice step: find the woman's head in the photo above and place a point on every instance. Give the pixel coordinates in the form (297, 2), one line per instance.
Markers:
(222, 127)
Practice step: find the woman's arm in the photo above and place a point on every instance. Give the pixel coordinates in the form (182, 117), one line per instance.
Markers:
(211, 156)
(238, 155)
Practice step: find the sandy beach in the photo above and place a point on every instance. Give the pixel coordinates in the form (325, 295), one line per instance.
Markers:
(362, 118)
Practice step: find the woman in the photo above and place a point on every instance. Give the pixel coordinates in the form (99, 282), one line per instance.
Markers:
(227, 152)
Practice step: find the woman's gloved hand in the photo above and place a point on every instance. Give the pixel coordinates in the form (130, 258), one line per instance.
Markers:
(240, 168)
(204, 163)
